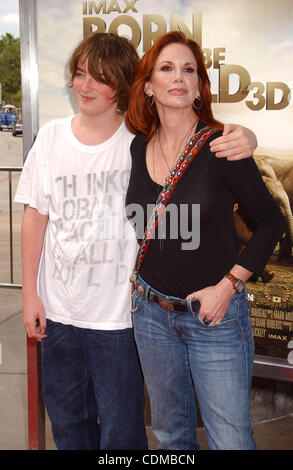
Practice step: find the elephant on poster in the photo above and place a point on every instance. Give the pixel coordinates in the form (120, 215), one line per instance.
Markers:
(278, 177)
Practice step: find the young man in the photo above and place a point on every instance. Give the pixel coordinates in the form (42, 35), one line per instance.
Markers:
(76, 263)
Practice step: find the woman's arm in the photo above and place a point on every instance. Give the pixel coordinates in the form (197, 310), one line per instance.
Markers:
(245, 183)
(215, 300)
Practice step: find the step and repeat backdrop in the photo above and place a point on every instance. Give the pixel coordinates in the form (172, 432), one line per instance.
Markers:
(248, 47)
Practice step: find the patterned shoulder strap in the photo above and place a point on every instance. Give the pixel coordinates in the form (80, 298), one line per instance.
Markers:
(191, 150)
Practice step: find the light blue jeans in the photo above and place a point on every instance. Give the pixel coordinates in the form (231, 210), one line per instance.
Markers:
(179, 353)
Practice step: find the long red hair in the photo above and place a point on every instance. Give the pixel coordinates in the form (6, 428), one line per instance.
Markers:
(141, 115)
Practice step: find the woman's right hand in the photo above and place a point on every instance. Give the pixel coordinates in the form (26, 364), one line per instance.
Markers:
(214, 301)
(34, 317)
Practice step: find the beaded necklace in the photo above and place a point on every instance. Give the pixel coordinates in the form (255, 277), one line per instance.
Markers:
(191, 150)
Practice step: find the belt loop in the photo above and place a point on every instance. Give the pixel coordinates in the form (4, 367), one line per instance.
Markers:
(145, 286)
(189, 307)
(146, 291)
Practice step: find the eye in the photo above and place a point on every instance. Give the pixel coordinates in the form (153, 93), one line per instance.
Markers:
(78, 73)
(166, 68)
(189, 70)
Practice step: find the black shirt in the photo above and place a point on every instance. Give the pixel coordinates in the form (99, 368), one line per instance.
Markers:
(216, 184)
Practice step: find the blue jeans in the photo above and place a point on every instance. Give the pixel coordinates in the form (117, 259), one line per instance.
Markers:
(179, 353)
(93, 388)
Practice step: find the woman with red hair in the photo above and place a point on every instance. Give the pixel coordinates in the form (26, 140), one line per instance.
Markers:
(190, 307)
(143, 116)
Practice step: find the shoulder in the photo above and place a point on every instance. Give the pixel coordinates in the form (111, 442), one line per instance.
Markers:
(51, 128)
(211, 132)
(55, 123)
(207, 133)
(125, 133)
(47, 136)
(214, 134)
(138, 145)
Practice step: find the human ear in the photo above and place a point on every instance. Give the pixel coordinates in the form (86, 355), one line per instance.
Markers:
(148, 89)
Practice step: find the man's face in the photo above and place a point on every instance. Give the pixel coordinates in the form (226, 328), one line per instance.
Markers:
(93, 97)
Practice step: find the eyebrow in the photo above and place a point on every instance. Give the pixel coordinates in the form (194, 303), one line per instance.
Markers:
(171, 62)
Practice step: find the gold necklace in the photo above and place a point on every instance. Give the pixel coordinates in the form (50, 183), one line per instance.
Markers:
(176, 155)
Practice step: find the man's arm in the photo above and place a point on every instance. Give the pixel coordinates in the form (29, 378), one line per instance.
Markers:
(33, 229)
(237, 142)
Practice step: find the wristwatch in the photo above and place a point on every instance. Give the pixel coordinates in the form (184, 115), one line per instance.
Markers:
(237, 283)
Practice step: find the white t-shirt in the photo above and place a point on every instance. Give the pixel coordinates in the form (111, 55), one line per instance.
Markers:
(89, 246)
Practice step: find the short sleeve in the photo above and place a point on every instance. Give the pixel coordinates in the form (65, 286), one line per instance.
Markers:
(32, 186)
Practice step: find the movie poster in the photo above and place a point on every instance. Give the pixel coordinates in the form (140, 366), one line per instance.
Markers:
(248, 47)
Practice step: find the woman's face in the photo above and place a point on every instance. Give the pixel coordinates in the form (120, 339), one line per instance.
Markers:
(174, 81)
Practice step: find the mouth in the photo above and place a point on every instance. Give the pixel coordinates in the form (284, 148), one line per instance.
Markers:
(177, 91)
(86, 99)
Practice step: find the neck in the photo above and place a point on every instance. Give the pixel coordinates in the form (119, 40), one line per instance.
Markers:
(174, 125)
(91, 130)
(168, 143)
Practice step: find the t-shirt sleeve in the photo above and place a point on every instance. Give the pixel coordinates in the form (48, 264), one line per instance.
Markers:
(32, 187)
(245, 182)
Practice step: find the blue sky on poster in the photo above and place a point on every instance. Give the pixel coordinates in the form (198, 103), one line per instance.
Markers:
(9, 18)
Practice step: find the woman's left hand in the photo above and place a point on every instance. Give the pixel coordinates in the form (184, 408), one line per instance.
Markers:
(214, 301)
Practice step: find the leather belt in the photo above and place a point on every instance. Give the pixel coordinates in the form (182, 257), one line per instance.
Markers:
(171, 305)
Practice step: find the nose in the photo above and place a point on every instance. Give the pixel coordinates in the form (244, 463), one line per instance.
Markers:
(87, 83)
(178, 76)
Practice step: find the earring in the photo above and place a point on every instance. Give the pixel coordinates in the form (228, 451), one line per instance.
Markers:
(152, 100)
(197, 104)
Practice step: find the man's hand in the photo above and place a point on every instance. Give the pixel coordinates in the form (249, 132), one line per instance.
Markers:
(34, 317)
(237, 142)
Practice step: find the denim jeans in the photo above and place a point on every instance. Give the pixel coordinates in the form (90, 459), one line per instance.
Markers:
(93, 388)
(178, 353)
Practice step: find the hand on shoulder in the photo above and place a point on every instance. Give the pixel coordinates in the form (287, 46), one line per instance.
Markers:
(236, 143)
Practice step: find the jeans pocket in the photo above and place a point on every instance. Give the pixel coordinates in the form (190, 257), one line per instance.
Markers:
(230, 316)
(55, 335)
(201, 321)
